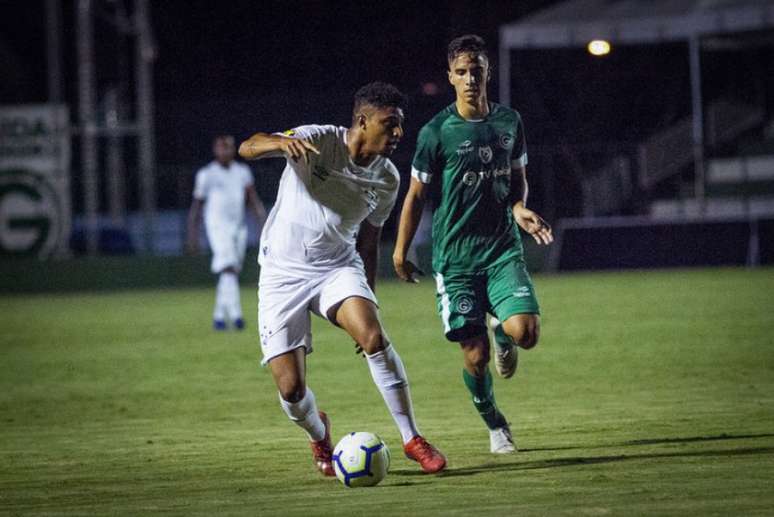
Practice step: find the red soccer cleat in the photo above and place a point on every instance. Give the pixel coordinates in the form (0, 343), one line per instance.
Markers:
(429, 458)
(322, 450)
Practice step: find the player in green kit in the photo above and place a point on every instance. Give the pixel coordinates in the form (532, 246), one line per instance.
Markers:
(472, 156)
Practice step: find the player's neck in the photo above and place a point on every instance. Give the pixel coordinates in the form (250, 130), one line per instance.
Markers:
(224, 164)
(357, 153)
(473, 111)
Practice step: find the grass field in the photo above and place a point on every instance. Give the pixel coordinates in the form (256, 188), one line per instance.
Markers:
(651, 393)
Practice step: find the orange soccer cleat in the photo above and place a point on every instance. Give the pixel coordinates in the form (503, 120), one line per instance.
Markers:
(429, 458)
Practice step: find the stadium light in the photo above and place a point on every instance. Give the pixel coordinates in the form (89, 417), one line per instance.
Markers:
(598, 47)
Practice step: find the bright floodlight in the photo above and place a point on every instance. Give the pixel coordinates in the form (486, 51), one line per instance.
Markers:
(598, 47)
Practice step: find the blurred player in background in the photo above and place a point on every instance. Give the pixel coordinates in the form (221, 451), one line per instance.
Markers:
(222, 186)
(474, 151)
(319, 251)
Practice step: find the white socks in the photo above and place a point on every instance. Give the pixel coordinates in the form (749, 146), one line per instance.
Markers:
(390, 377)
(227, 302)
(304, 413)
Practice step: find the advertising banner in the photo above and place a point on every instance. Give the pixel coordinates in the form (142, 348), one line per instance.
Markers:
(35, 209)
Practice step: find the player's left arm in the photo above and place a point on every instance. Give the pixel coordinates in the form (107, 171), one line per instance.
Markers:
(368, 248)
(529, 220)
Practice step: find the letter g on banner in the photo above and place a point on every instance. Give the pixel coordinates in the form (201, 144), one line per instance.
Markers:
(30, 214)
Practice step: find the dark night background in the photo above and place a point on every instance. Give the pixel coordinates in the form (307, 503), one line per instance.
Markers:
(240, 66)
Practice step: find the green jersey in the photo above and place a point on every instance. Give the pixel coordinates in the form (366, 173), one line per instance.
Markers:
(471, 160)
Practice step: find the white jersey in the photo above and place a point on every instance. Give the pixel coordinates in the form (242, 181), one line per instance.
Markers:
(223, 191)
(320, 204)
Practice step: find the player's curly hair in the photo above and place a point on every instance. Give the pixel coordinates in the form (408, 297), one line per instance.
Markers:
(464, 44)
(379, 95)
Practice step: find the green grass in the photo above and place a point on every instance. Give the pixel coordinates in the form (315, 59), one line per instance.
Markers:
(650, 393)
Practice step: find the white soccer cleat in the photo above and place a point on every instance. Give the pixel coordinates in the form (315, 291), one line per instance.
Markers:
(501, 441)
(506, 353)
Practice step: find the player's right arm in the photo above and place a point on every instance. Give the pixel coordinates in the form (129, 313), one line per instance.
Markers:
(192, 244)
(426, 162)
(264, 145)
(194, 214)
(410, 216)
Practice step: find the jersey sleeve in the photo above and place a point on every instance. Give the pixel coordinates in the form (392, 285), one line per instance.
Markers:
(387, 200)
(318, 136)
(426, 157)
(311, 132)
(519, 154)
(200, 185)
(314, 134)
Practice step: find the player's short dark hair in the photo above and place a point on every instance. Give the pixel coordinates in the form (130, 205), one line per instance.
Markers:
(222, 136)
(379, 95)
(464, 44)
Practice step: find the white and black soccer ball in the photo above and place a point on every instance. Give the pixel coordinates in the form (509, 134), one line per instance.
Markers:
(361, 459)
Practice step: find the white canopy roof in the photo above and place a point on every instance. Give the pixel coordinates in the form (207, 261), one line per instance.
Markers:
(576, 22)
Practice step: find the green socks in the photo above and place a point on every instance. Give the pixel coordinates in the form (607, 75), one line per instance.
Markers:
(483, 398)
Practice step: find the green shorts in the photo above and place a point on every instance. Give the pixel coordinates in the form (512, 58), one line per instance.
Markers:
(464, 299)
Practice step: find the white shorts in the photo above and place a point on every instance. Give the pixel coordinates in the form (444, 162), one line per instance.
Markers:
(285, 304)
(228, 247)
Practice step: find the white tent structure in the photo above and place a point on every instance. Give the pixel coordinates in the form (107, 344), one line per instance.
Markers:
(574, 23)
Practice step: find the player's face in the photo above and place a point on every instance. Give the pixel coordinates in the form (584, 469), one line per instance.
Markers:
(224, 150)
(383, 130)
(469, 73)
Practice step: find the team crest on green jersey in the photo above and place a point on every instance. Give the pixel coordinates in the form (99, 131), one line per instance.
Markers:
(506, 141)
(485, 153)
(464, 304)
(469, 178)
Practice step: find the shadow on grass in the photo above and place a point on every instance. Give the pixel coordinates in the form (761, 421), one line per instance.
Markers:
(656, 441)
(405, 483)
(592, 460)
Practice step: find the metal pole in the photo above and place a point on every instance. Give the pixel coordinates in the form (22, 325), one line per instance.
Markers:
(86, 108)
(116, 171)
(754, 244)
(145, 55)
(505, 72)
(53, 53)
(697, 115)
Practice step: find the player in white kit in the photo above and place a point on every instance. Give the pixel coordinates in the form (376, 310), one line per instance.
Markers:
(318, 255)
(222, 187)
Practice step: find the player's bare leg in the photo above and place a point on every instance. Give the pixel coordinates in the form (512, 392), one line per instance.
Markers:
(360, 318)
(523, 329)
(478, 380)
(506, 354)
(298, 402)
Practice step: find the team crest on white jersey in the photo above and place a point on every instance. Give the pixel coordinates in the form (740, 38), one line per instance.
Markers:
(465, 148)
(485, 153)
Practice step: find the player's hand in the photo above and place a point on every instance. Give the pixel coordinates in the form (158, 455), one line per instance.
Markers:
(298, 148)
(405, 269)
(534, 225)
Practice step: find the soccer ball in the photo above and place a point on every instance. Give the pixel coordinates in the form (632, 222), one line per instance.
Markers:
(361, 459)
